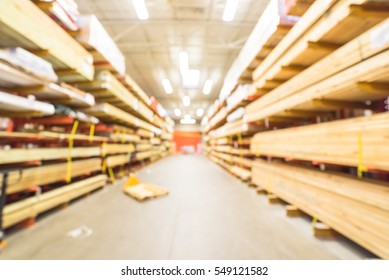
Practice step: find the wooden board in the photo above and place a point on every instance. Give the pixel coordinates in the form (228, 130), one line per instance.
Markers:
(25, 25)
(298, 7)
(341, 86)
(351, 142)
(145, 191)
(11, 77)
(112, 114)
(37, 154)
(59, 94)
(50, 173)
(358, 209)
(335, 26)
(366, 46)
(117, 160)
(107, 88)
(33, 206)
(108, 149)
(16, 106)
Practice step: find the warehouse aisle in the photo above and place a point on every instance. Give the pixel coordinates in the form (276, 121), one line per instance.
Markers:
(207, 215)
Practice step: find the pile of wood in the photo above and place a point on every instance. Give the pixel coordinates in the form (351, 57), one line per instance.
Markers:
(317, 99)
(23, 24)
(31, 207)
(69, 113)
(358, 209)
(352, 142)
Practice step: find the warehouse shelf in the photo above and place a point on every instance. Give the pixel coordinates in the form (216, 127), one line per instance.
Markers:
(356, 208)
(25, 25)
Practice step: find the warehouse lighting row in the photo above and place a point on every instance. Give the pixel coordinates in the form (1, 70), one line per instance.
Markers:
(199, 112)
(228, 15)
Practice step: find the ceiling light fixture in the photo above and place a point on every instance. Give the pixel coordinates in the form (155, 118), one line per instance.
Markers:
(177, 112)
(191, 79)
(167, 86)
(184, 62)
(230, 10)
(187, 121)
(140, 9)
(200, 112)
(207, 87)
(186, 101)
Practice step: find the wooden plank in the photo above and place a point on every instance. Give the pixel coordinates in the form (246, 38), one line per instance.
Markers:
(108, 149)
(117, 160)
(31, 207)
(23, 24)
(112, 114)
(34, 154)
(48, 174)
(106, 85)
(358, 209)
(337, 25)
(12, 105)
(352, 142)
(340, 76)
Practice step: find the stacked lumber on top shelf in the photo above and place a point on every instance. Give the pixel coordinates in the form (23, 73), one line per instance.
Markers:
(130, 84)
(297, 7)
(25, 25)
(19, 67)
(326, 26)
(65, 13)
(269, 30)
(93, 36)
(111, 114)
(107, 88)
(356, 208)
(356, 72)
(351, 142)
(33, 206)
(265, 36)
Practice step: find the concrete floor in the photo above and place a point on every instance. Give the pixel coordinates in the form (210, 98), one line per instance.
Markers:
(208, 215)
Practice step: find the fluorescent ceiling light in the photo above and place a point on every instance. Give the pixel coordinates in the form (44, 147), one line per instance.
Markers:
(187, 121)
(167, 86)
(184, 62)
(191, 79)
(207, 87)
(200, 112)
(140, 9)
(186, 101)
(230, 9)
(177, 112)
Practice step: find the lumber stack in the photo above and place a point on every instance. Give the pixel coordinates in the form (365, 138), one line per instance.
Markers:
(69, 112)
(352, 142)
(357, 209)
(31, 207)
(318, 98)
(23, 24)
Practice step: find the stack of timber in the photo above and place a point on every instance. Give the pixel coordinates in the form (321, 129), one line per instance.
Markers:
(347, 78)
(65, 13)
(93, 36)
(23, 24)
(317, 99)
(69, 113)
(227, 117)
(353, 142)
(356, 208)
(298, 7)
(33, 206)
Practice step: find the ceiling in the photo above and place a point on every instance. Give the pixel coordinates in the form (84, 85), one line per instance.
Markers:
(152, 46)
